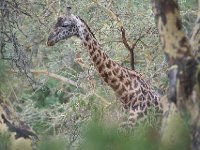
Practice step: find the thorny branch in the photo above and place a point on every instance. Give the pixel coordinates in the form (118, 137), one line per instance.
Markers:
(124, 39)
(131, 48)
(10, 47)
(55, 76)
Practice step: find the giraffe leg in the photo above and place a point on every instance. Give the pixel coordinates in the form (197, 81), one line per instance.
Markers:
(137, 113)
(129, 124)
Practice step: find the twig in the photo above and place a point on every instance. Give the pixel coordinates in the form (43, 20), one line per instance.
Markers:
(55, 76)
(131, 48)
(124, 39)
(102, 99)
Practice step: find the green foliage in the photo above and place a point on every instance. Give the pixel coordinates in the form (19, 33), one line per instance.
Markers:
(5, 141)
(97, 137)
(59, 109)
(3, 73)
(54, 143)
(176, 135)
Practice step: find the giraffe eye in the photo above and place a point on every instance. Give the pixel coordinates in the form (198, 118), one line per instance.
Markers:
(65, 26)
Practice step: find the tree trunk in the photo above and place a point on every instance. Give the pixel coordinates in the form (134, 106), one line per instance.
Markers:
(184, 72)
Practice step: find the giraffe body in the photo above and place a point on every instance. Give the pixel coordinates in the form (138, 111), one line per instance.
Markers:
(130, 87)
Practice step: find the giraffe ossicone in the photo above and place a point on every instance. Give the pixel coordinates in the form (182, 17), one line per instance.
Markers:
(134, 93)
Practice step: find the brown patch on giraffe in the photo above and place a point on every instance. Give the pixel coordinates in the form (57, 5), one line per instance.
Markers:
(156, 103)
(85, 44)
(110, 73)
(143, 91)
(132, 120)
(100, 68)
(148, 97)
(98, 50)
(108, 65)
(126, 100)
(121, 78)
(151, 95)
(104, 75)
(91, 52)
(90, 46)
(141, 98)
(127, 83)
(148, 103)
(113, 81)
(114, 64)
(106, 80)
(98, 62)
(87, 38)
(94, 42)
(94, 58)
(131, 95)
(85, 30)
(146, 86)
(116, 86)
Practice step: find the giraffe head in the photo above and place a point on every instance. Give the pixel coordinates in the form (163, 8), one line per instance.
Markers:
(65, 27)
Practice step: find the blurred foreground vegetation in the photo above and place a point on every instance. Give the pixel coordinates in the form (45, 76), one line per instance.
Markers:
(85, 116)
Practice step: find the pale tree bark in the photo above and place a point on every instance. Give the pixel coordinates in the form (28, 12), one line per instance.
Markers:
(196, 34)
(184, 72)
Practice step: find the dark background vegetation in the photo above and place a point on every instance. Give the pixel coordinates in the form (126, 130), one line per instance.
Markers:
(61, 112)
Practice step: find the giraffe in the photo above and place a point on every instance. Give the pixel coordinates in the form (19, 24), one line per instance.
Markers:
(134, 93)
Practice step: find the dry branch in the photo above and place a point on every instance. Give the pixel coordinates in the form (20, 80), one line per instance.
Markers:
(131, 48)
(123, 32)
(55, 76)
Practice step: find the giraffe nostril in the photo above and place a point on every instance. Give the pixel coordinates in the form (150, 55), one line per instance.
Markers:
(50, 43)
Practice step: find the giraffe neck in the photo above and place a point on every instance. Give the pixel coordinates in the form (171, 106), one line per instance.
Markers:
(107, 68)
(127, 84)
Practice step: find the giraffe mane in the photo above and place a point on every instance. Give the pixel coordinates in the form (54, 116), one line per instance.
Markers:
(88, 27)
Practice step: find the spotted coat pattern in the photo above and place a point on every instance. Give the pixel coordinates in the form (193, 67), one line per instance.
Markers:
(134, 93)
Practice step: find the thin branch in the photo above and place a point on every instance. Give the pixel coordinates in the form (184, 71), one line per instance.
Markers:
(123, 32)
(131, 48)
(55, 76)
(102, 99)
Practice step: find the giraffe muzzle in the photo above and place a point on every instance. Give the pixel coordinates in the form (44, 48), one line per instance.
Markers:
(51, 39)
(50, 43)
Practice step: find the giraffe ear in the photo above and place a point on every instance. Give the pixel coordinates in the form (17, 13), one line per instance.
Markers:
(59, 22)
(68, 10)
